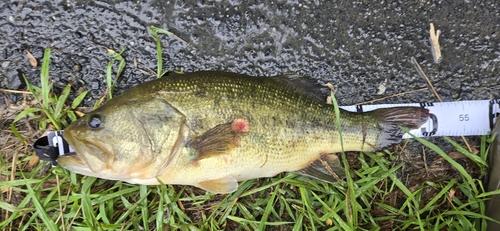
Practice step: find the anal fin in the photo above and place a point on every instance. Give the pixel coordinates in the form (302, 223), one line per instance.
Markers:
(327, 168)
(220, 186)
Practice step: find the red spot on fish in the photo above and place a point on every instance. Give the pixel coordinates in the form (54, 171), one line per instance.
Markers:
(294, 144)
(240, 125)
(427, 112)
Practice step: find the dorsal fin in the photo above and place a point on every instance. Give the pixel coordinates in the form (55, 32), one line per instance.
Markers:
(327, 168)
(220, 139)
(312, 87)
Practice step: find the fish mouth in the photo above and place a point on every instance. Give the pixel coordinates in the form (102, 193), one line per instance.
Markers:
(91, 155)
(75, 164)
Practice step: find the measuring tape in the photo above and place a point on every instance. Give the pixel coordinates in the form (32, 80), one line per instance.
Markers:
(461, 118)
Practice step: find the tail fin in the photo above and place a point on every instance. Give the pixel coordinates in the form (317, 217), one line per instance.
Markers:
(391, 118)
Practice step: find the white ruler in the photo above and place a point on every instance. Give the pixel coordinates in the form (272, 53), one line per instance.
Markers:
(461, 118)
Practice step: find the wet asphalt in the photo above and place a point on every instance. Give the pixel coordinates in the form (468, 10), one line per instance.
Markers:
(355, 45)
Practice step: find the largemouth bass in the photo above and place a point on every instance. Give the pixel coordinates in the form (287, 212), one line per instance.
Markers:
(213, 129)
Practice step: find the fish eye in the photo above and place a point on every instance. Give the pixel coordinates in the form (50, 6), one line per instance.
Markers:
(95, 121)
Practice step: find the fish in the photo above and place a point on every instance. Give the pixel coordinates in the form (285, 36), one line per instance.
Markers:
(213, 129)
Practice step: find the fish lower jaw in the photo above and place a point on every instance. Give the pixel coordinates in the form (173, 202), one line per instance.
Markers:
(109, 175)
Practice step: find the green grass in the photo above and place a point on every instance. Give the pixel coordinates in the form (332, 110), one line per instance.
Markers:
(52, 107)
(295, 202)
(111, 83)
(373, 197)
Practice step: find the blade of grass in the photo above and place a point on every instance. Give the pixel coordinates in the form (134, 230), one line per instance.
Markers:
(32, 89)
(87, 210)
(477, 159)
(351, 203)
(144, 206)
(246, 214)
(72, 116)
(162, 189)
(79, 99)
(16, 133)
(61, 101)
(243, 220)
(261, 188)
(40, 209)
(7, 206)
(25, 112)
(154, 31)
(488, 194)
(471, 215)
(306, 202)
(44, 78)
(439, 195)
(109, 71)
(267, 211)
(130, 208)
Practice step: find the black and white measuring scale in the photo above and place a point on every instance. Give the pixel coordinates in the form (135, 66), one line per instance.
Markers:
(460, 118)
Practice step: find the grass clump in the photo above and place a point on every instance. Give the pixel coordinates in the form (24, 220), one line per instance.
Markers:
(377, 194)
(53, 109)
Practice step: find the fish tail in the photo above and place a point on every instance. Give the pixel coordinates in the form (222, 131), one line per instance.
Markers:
(391, 119)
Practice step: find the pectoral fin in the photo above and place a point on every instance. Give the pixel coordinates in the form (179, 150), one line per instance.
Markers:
(219, 140)
(221, 186)
(327, 168)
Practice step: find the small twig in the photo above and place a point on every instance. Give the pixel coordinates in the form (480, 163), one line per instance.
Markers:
(391, 96)
(65, 202)
(4, 146)
(74, 217)
(15, 91)
(467, 144)
(60, 204)
(330, 170)
(67, 195)
(146, 70)
(424, 156)
(75, 78)
(102, 46)
(8, 146)
(181, 206)
(422, 73)
(12, 174)
(31, 131)
(182, 40)
(103, 96)
(435, 48)
(6, 99)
